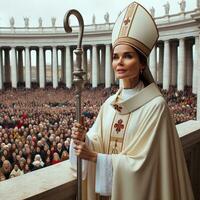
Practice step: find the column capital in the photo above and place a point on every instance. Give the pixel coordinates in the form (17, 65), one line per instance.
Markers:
(166, 41)
(181, 39)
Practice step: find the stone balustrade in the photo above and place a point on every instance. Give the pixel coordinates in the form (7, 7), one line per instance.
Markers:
(51, 183)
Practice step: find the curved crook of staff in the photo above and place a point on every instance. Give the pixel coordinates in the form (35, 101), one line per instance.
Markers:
(78, 82)
(67, 27)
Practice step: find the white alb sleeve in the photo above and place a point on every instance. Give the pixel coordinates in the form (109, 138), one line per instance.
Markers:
(73, 161)
(104, 174)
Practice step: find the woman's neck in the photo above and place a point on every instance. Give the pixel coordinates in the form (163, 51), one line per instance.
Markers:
(130, 83)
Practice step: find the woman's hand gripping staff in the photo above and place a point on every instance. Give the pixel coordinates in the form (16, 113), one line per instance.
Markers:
(81, 148)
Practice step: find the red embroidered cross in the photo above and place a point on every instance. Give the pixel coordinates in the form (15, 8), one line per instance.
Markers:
(119, 125)
(126, 21)
(118, 108)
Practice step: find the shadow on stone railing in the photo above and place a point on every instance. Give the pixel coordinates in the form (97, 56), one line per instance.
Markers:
(57, 183)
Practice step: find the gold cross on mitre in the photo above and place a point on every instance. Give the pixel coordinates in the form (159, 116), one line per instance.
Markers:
(127, 21)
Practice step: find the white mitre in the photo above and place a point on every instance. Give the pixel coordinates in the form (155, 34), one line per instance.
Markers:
(135, 27)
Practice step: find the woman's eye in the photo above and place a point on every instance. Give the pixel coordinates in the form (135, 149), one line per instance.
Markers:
(115, 57)
(129, 56)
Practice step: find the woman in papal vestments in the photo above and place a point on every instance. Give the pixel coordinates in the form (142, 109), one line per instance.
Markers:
(132, 151)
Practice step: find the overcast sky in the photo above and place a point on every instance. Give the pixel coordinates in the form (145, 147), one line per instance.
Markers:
(57, 8)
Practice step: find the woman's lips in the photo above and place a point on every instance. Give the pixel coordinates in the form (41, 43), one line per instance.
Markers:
(121, 71)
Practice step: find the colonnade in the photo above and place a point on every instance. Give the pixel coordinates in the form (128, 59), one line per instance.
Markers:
(15, 65)
(172, 62)
(175, 62)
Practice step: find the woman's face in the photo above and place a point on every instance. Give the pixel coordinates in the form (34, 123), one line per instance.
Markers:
(126, 63)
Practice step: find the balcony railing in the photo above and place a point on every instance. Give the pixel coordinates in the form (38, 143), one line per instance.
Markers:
(57, 181)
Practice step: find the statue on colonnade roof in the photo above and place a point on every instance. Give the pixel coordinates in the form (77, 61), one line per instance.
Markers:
(167, 8)
(182, 4)
(53, 21)
(40, 22)
(152, 11)
(26, 21)
(106, 17)
(12, 22)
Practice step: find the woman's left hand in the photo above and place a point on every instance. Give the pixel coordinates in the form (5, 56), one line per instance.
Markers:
(83, 152)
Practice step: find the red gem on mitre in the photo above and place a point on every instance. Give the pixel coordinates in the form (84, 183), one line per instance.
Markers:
(127, 21)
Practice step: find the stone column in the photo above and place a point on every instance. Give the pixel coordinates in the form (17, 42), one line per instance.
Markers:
(55, 68)
(153, 63)
(174, 63)
(94, 66)
(189, 63)
(195, 68)
(1, 71)
(166, 67)
(181, 65)
(41, 67)
(108, 67)
(13, 68)
(160, 65)
(68, 68)
(27, 68)
(20, 66)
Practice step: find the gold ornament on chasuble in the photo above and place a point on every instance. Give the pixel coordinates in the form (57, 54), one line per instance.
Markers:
(118, 130)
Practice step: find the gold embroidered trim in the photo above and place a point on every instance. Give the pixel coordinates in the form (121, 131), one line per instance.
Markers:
(127, 21)
(117, 137)
(134, 43)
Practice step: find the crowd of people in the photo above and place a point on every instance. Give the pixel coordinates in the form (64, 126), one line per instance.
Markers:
(36, 124)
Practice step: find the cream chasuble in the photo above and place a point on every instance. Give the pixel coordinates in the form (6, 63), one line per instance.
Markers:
(147, 157)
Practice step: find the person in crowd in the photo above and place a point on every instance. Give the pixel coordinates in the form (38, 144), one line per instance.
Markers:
(37, 163)
(16, 172)
(6, 168)
(65, 155)
(56, 158)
